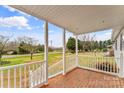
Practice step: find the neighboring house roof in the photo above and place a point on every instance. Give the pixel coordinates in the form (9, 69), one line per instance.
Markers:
(78, 19)
(109, 46)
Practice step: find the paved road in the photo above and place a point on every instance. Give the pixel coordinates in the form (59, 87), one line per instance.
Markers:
(13, 56)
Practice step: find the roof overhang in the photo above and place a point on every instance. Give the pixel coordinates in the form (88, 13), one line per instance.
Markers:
(78, 19)
(116, 32)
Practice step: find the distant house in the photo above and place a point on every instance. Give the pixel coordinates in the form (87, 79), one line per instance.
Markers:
(110, 51)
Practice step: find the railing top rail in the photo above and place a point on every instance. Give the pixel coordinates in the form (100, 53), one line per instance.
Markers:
(20, 65)
(99, 57)
(70, 56)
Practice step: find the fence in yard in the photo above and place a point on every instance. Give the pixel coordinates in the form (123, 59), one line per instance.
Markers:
(104, 64)
(20, 76)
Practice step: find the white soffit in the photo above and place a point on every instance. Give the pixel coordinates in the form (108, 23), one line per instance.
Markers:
(116, 31)
(78, 19)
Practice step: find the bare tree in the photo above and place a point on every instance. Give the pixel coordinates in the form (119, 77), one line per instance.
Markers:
(87, 41)
(30, 44)
(3, 42)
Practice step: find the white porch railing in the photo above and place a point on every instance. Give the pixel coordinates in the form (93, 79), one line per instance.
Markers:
(70, 62)
(19, 76)
(33, 74)
(57, 68)
(103, 64)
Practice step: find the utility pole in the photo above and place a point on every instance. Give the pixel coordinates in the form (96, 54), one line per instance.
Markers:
(51, 43)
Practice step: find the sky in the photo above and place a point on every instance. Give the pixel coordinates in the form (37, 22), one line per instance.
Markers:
(18, 24)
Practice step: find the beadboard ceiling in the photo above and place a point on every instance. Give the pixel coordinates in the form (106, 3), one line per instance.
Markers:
(78, 19)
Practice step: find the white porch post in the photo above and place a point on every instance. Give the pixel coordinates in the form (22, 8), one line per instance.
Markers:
(76, 49)
(46, 51)
(64, 53)
(121, 72)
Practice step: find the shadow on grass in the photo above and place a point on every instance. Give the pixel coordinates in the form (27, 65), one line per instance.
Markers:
(4, 62)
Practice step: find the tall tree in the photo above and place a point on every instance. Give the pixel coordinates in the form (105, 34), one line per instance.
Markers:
(100, 45)
(71, 44)
(87, 41)
(3, 42)
(28, 44)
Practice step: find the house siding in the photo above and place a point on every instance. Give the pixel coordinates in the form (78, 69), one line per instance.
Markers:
(117, 51)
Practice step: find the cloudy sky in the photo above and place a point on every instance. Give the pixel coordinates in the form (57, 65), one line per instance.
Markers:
(18, 24)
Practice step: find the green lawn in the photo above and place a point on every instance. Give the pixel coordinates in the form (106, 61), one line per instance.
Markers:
(52, 58)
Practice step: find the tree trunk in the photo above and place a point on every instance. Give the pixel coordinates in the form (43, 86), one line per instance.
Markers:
(31, 56)
(0, 58)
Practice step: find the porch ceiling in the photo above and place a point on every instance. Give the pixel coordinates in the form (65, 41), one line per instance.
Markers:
(77, 19)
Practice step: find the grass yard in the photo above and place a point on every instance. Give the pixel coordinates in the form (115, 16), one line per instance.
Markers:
(52, 58)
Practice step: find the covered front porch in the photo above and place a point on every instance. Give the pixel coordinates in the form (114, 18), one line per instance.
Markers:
(73, 70)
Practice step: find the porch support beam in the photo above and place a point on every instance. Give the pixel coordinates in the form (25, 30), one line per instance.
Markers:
(64, 52)
(46, 51)
(76, 48)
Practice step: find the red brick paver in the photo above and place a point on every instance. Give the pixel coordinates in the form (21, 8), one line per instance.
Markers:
(80, 78)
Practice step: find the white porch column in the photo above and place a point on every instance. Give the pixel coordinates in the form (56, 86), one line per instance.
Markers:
(76, 49)
(64, 52)
(121, 71)
(46, 51)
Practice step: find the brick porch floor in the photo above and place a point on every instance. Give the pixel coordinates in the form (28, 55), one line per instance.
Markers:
(80, 78)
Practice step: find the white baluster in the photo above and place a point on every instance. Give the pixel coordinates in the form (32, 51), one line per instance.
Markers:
(111, 61)
(104, 69)
(33, 67)
(37, 74)
(101, 62)
(89, 61)
(42, 73)
(41, 77)
(25, 81)
(20, 75)
(29, 68)
(33, 75)
(96, 63)
(8, 78)
(29, 75)
(94, 66)
(15, 77)
(1, 78)
(115, 67)
(107, 64)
